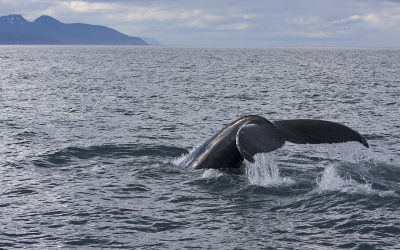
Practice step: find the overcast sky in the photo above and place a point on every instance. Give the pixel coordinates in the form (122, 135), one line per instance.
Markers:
(372, 23)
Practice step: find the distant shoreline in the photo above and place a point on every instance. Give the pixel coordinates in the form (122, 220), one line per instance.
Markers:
(46, 30)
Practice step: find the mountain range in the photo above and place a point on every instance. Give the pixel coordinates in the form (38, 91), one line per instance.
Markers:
(15, 29)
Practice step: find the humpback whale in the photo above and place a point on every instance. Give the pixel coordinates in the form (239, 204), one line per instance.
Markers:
(253, 134)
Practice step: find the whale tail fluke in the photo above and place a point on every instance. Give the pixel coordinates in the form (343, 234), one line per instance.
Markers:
(252, 139)
(304, 131)
(265, 137)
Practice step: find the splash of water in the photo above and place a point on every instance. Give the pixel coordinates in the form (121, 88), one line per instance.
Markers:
(265, 171)
(178, 160)
(211, 174)
(353, 152)
(332, 181)
(350, 151)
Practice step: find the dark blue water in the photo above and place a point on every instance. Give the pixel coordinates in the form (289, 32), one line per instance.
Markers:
(91, 139)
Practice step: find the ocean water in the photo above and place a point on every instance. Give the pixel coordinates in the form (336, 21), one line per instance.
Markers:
(91, 139)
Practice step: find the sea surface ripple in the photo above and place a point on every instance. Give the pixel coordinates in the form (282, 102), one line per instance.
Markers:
(91, 139)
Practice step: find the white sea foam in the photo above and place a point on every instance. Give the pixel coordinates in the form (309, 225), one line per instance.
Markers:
(265, 171)
(211, 174)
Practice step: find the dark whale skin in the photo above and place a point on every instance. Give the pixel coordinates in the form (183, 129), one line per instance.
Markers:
(220, 150)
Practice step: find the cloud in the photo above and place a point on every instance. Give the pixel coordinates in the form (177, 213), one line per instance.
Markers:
(233, 26)
(87, 7)
(372, 20)
(315, 34)
(303, 20)
(194, 18)
(369, 18)
(120, 12)
(352, 22)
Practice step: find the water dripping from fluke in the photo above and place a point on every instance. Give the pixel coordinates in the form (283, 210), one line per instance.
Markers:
(265, 171)
(349, 152)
